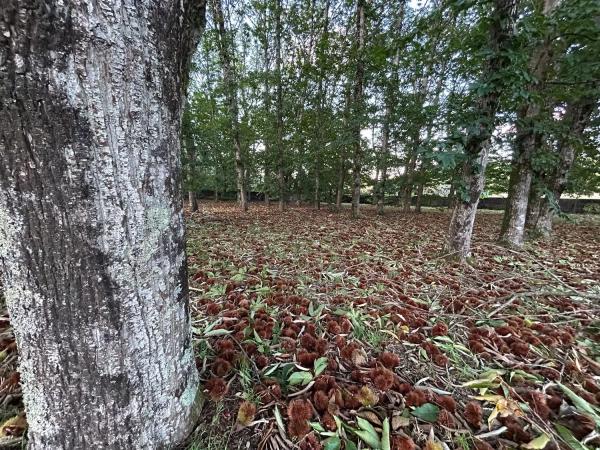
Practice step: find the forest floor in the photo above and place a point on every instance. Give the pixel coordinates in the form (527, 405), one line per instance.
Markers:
(315, 331)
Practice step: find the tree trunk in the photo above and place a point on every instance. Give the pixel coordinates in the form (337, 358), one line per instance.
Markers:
(91, 227)
(513, 224)
(230, 81)
(420, 188)
(408, 181)
(193, 201)
(267, 112)
(577, 116)
(390, 103)
(317, 200)
(339, 193)
(357, 106)
(279, 109)
(451, 196)
(477, 143)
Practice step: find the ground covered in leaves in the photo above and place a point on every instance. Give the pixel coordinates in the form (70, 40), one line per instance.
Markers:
(315, 331)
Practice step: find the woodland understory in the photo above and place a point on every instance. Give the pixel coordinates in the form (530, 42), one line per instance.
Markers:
(314, 331)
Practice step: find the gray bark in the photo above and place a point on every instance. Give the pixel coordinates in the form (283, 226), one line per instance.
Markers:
(279, 109)
(229, 78)
(420, 188)
(340, 182)
(192, 201)
(357, 107)
(408, 178)
(577, 117)
(513, 225)
(390, 102)
(91, 226)
(477, 144)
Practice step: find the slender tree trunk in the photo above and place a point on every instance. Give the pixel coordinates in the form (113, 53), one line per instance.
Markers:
(192, 201)
(451, 195)
(357, 107)
(420, 188)
(513, 224)
(279, 109)
(391, 99)
(577, 116)
(343, 156)
(339, 194)
(477, 143)
(91, 227)
(321, 93)
(230, 81)
(317, 200)
(408, 181)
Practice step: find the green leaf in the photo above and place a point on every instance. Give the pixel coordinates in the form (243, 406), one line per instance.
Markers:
(302, 378)
(320, 365)
(317, 427)
(569, 439)
(580, 403)
(385, 435)
(427, 412)
(489, 379)
(349, 445)
(367, 433)
(332, 443)
(368, 438)
(279, 421)
(539, 442)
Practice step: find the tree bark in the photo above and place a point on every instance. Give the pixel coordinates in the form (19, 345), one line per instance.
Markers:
(407, 188)
(91, 226)
(420, 188)
(513, 225)
(267, 113)
(230, 81)
(193, 201)
(339, 193)
(279, 109)
(577, 116)
(477, 143)
(357, 107)
(390, 102)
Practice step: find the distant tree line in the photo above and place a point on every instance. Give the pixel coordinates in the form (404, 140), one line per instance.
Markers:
(315, 100)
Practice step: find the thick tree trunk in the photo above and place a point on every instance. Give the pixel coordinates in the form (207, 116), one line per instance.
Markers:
(513, 225)
(533, 206)
(477, 143)
(357, 107)
(91, 226)
(230, 81)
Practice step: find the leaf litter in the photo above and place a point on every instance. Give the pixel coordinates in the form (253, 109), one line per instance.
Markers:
(315, 331)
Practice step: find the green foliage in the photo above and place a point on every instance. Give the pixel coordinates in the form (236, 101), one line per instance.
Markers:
(423, 74)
